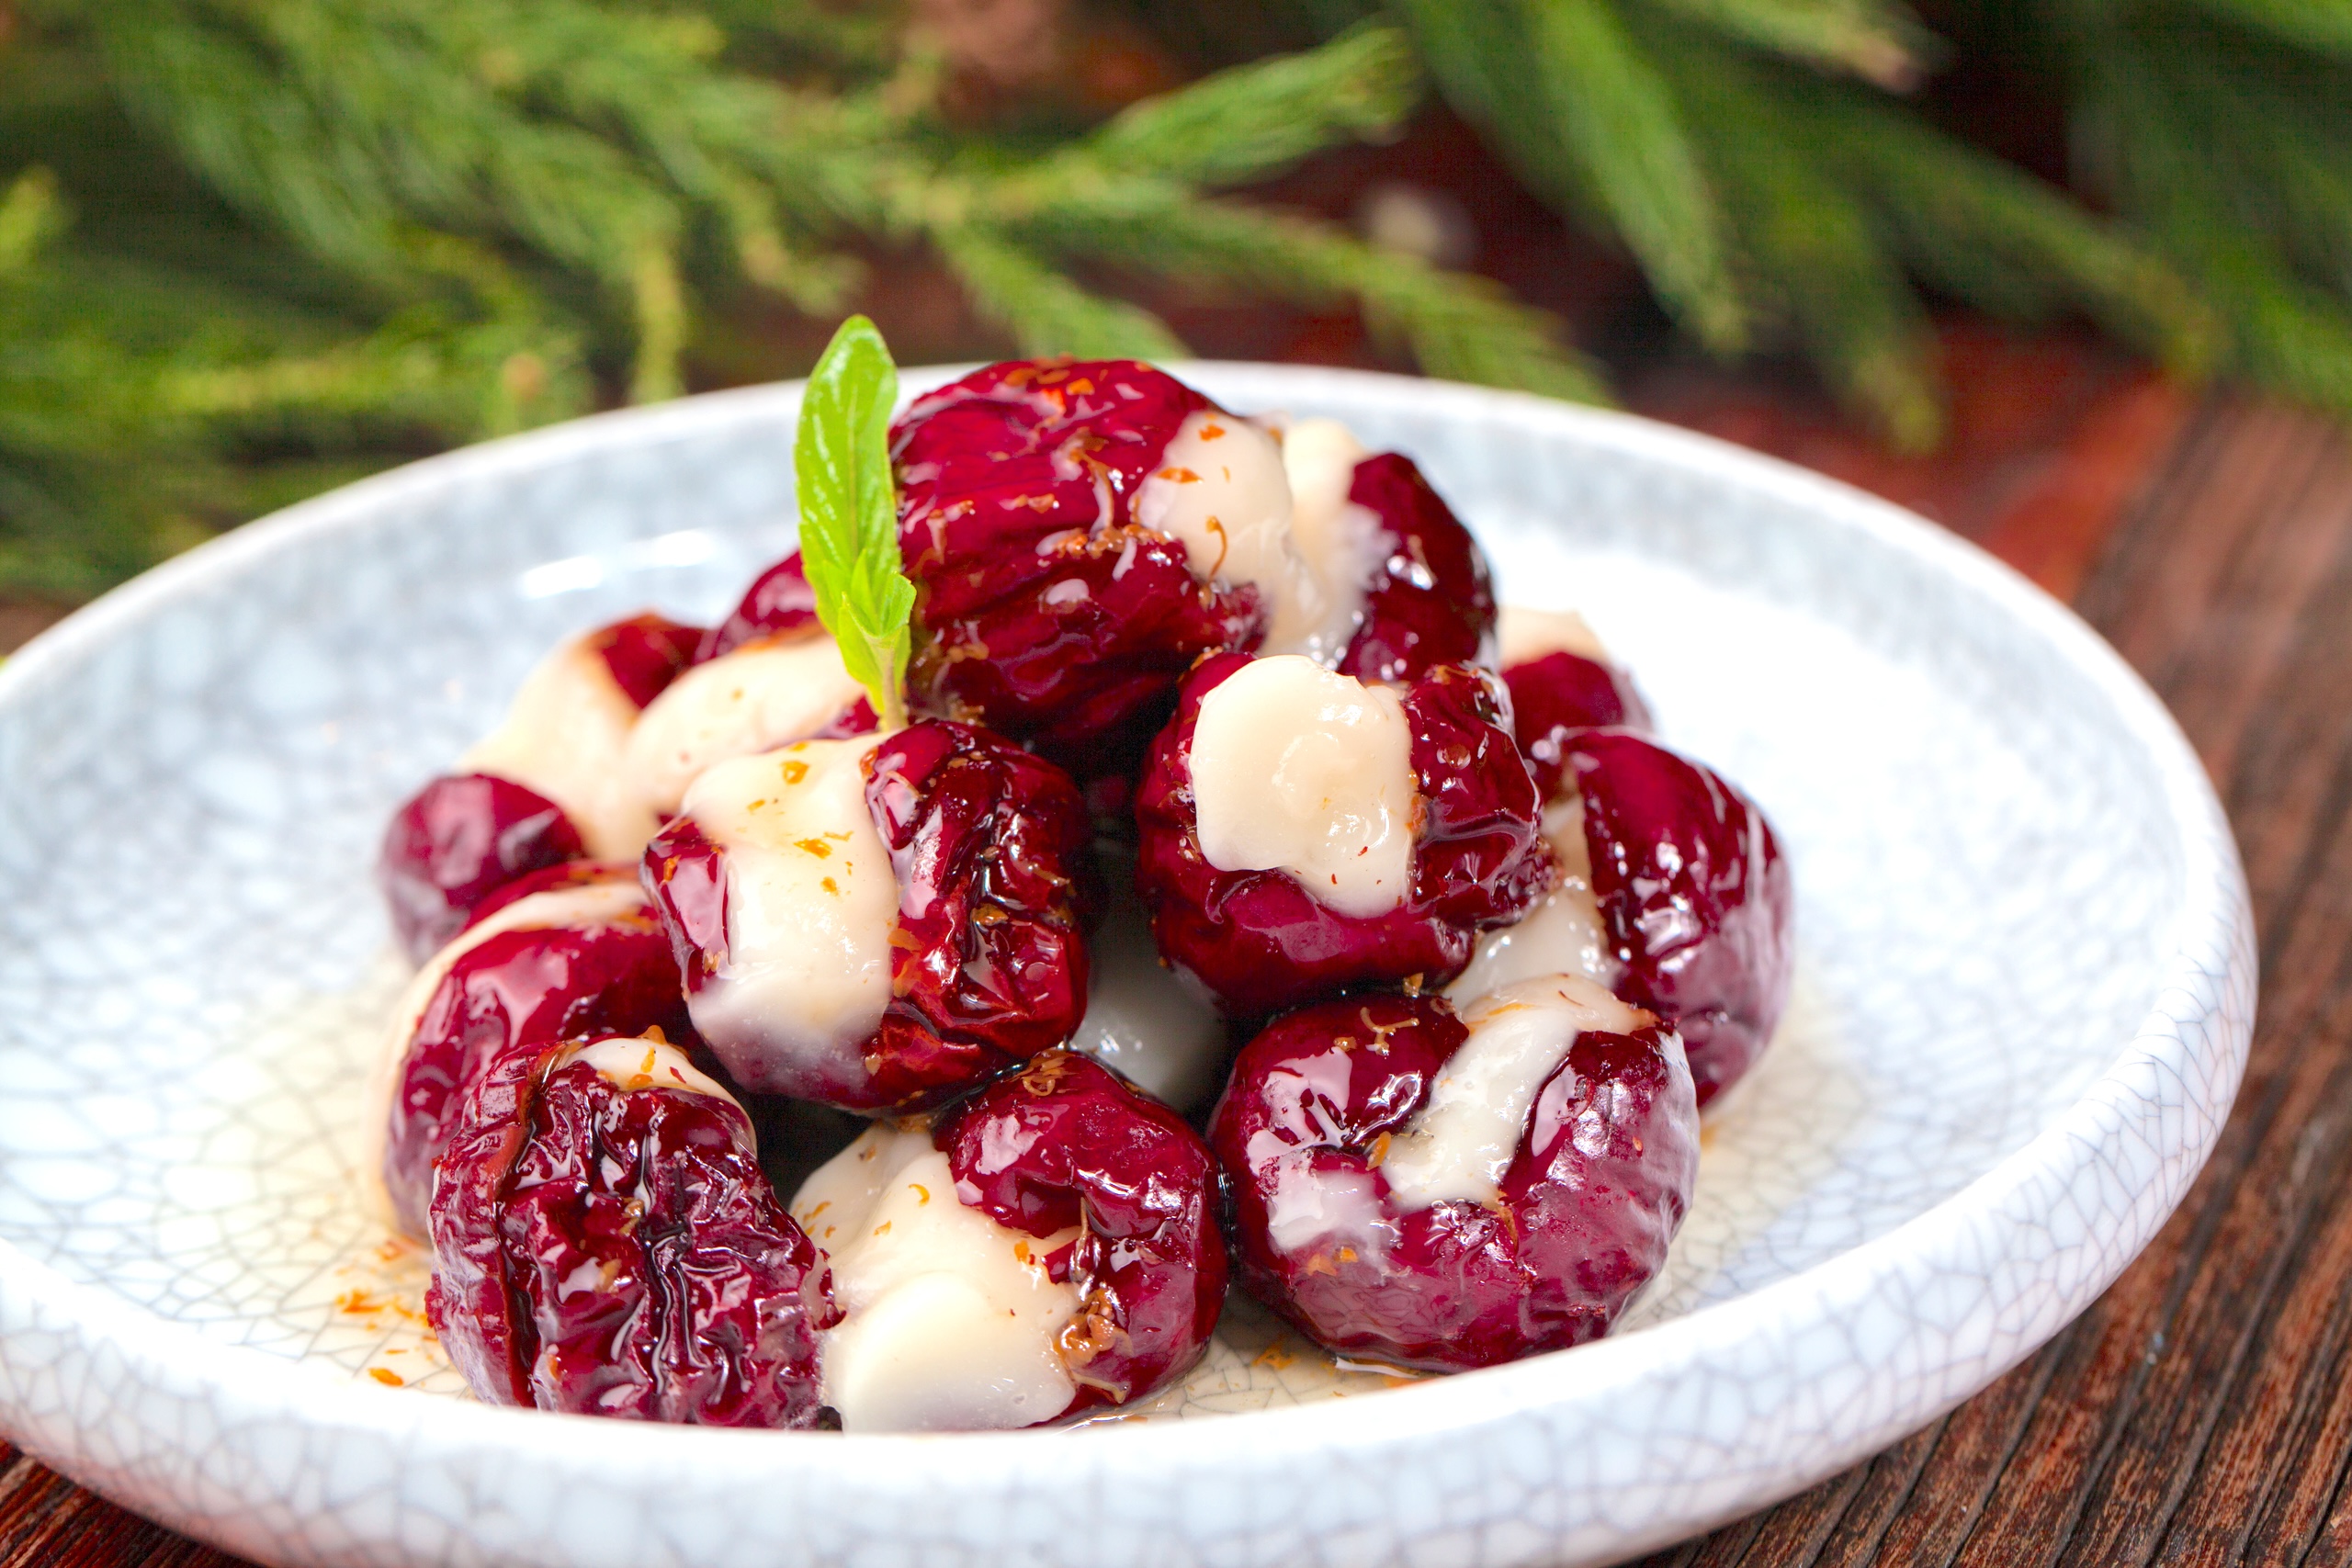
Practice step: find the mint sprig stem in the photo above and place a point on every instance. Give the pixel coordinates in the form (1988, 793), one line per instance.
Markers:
(849, 513)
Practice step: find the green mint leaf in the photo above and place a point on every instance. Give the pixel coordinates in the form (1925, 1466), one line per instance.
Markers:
(849, 513)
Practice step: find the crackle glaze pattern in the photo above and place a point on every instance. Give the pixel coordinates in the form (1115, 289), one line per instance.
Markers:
(2025, 990)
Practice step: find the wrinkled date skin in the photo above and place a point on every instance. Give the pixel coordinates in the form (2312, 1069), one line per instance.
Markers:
(456, 842)
(779, 603)
(611, 1252)
(645, 653)
(1261, 943)
(1695, 895)
(989, 846)
(781, 607)
(1599, 1184)
(513, 995)
(1554, 696)
(551, 879)
(988, 965)
(463, 837)
(1432, 601)
(1065, 1141)
(1051, 615)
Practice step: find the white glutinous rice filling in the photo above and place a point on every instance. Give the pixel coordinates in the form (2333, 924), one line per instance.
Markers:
(1143, 1020)
(1461, 1143)
(1222, 492)
(752, 700)
(1320, 457)
(1342, 542)
(589, 904)
(811, 905)
(1299, 770)
(950, 1322)
(1563, 934)
(565, 735)
(632, 1063)
(1522, 635)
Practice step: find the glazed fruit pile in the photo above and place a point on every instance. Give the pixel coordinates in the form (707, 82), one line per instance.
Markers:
(1244, 894)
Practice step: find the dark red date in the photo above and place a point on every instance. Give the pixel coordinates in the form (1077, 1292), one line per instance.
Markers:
(778, 604)
(1260, 942)
(515, 993)
(1599, 1184)
(454, 843)
(1431, 601)
(611, 1248)
(645, 653)
(1695, 894)
(1048, 613)
(988, 847)
(1554, 696)
(1066, 1142)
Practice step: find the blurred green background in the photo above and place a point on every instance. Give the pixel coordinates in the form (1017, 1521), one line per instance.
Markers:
(250, 249)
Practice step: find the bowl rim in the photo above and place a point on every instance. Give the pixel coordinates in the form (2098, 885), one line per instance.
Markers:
(2208, 964)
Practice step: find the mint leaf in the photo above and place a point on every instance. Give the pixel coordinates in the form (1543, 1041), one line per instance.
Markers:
(849, 513)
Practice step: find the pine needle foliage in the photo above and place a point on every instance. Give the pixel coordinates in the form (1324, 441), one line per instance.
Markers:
(1774, 192)
(251, 247)
(396, 224)
(1768, 166)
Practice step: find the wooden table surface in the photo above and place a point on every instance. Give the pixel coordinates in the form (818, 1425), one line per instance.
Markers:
(2201, 1411)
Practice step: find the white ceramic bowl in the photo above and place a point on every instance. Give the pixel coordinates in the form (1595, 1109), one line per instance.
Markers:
(2026, 988)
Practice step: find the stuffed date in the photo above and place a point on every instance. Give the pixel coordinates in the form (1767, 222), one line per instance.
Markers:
(877, 923)
(1049, 1247)
(605, 1245)
(1562, 680)
(1694, 895)
(584, 957)
(551, 784)
(764, 677)
(1302, 832)
(1445, 1191)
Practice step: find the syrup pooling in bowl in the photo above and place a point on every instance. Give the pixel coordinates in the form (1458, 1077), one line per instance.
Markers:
(1369, 819)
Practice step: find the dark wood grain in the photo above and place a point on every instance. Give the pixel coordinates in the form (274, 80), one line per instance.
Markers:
(2200, 1411)
(46, 1521)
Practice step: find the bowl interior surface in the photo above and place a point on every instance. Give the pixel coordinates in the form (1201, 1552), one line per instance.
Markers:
(193, 779)
(193, 958)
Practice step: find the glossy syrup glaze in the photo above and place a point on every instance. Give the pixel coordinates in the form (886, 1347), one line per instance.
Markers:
(1580, 1219)
(1066, 1143)
(1695, 894)
(456, 842)
(1261, 942)
(1051, 614)
(986, 954)
(608, 1246)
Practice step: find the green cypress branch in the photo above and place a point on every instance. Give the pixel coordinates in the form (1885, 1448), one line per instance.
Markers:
(1482, 60)
(1045, 310)
(1961, 212)
(2323, 24)
(30, 216)
(2162, 152)
(1453, 325)
(1879, 42)
(1620, 117)
(1255, 120)
(1816, 250)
